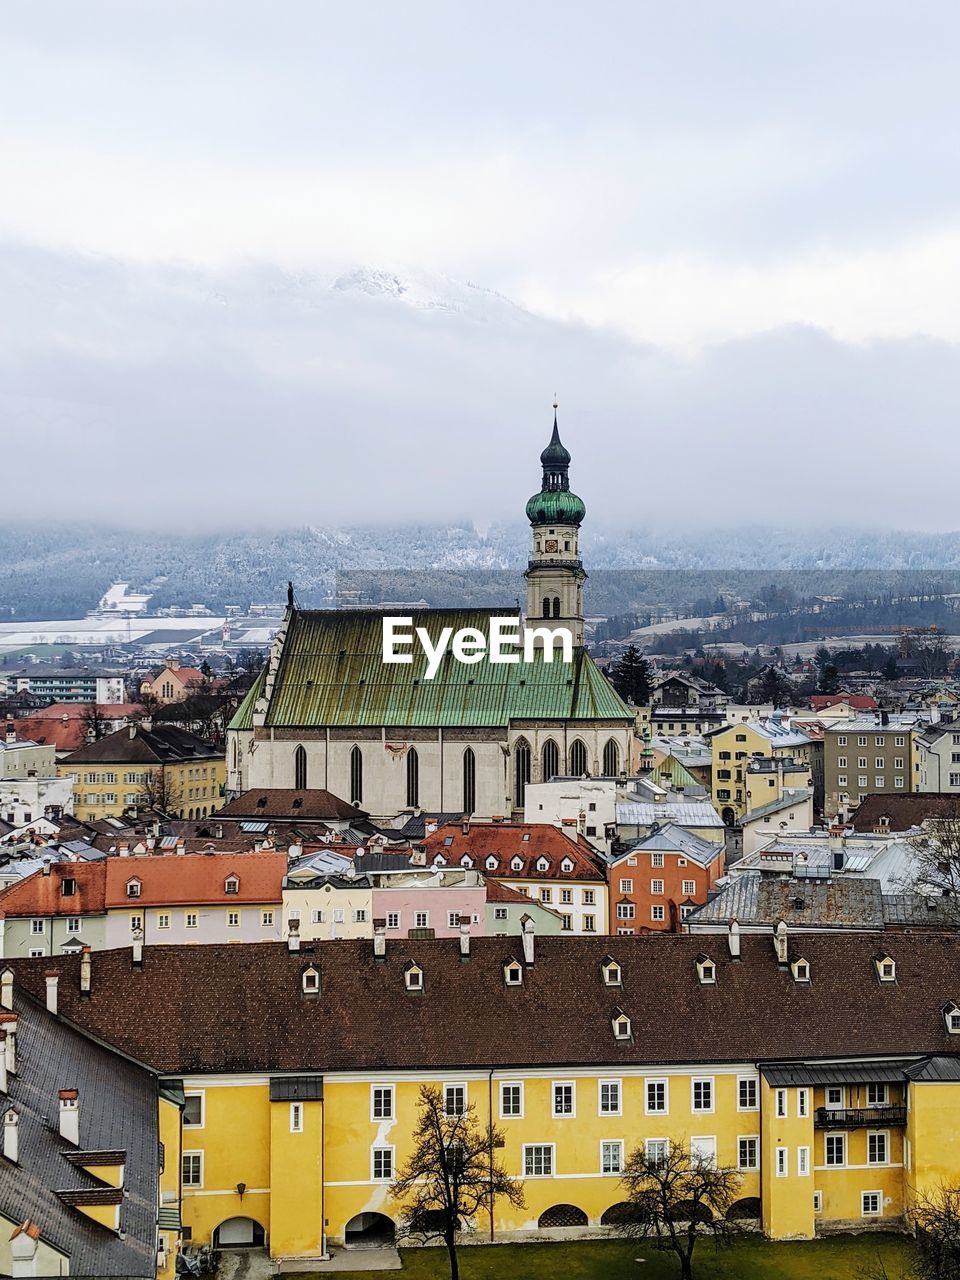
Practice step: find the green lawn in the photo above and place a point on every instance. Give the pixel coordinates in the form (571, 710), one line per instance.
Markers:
(838, 1258)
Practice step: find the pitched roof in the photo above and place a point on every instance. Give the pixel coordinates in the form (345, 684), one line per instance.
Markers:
(331, 672)
(634, 813)
(42, 893)
(283, 802)
(174, 879)
(790, 797)
(856, 701)
(560, 1015)
(163, 744)
(507, 841)
(62, 723)
(672, 837)
(900, 812)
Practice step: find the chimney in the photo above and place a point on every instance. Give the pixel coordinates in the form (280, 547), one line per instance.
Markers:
(220, 831)
(11, 732)
(295, 851)
(123, 848)
(132, 730)
(10, 1043)
(181, 846)
(780, 942)
(6, 989)
(11, 1144)
(23, 1249)
(379, 942)
(52, 979)
(70, 1116)
(46, 868)
(85, 972)
(137, 948)
(293, 934)
(527, 941)
(464, 939)
(733, 940)
(4, 1087)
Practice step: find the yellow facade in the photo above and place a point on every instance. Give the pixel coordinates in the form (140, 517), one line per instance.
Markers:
(103, 790)
(732, 749)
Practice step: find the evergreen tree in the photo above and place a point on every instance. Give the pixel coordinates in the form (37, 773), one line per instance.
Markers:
(631, 677)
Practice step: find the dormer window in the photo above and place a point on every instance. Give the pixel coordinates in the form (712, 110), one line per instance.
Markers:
(566, 866)
(543, 864)
(133, 888)
(492, 863)
(706, 970)
(612, 975)
(231, 885)
(886, 969)
(621, 1025)
(951, 1016)
(516, 864)
(439, 860)
(413, 977)
(801, 971)
(466, 861)
(513, 973)
(310, 981)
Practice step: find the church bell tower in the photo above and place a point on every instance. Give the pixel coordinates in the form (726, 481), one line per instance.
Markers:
(555, 575)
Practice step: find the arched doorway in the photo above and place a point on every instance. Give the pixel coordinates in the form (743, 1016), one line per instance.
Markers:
(239, 1233)
(729, 817)
(562, 1215)
(369, 1231)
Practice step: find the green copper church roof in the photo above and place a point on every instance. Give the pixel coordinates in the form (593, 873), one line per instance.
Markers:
(332, 672)
(556, 506)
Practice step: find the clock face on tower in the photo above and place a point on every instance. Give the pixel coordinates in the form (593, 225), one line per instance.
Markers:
(551, 544)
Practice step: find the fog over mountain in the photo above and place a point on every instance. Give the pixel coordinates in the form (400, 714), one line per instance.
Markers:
(182, 398)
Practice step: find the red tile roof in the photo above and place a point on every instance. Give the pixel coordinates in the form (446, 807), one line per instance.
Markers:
(42, 894)
(505, 841)
(858, 701)
(61, 724)
(285, 802)
(178, 879)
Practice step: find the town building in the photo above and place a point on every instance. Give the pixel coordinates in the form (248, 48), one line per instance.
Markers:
(780, 800)
(835, 1111)
(24, 758)
(866, 754)
(68, 684)
(638, 818)
(937, 758)
(655, 883)
(905, 811)
(683, 704)
(67, 726)
(173, 684)
(144, 766)
(589, 805)
(734, 745)
(327, 713)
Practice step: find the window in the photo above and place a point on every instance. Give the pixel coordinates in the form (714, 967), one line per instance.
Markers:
(193, 1111)
(578, 759)
(706, 970)
(899, 740)
(511, 1100)
(310, 981)
(818, 1202)
(863, 781)
(413, 778)
(413, 977)
(886, 969)
(781, 1103)
(563, 1098)
(381, 1164)
(657, 913)
(871, 1204)
(701, 1092)
(876, 1095)
(360, 915)
(609, 1097)
(513, 974)
(538, 1160)
(833, 1097)
(381, 1102)
(566, 922)
(454, 1099)
(521, 772)
(835, 1149)
(861, 762)
(133, 889)
(841, 739)
(233, 919)
(68, 886)
(657, 1098)
(747, 1093)
(546, 895)
(589, 924)
(421, 919)
(190, 919)
(803, 1102)
(656, 860)
(878, 782)
(231, 885)
(566, 896)
(393, 918)
(861, 740)
(898, 762)
(626, 911)
(499, 913)
(589, 897)
(136, 924)
(34, 952)
(469, 781)
(626, 886)
(192, 1169)
(316, 917)
(296, 1117)
(878, 1147)
(748, 1153)
(163, 920)
(689, 888)
(841, 762)
(656, 887)
(36, 926)
(655, 1151)
(781, 1162)
(803, 1162)
(551, 760)
(611, 1157)
(704, 1151)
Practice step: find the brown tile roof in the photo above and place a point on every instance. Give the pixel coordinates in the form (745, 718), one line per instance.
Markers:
(240, 1008)
(61, 724)
(282, 802)
(857, 701)
(195, 878)
(505, 841)
(892, 812)
(163, 744)
(42, 895)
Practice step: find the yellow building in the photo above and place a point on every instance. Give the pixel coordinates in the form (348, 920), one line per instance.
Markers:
(825, 1068)
(735, 745)
(143, 766)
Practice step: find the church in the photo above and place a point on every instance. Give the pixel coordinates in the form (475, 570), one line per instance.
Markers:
(327, 712)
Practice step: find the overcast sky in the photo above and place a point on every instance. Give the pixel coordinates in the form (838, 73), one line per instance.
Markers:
(726, 234)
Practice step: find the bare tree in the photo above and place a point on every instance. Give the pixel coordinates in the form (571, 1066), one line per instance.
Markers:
(95, 723)
(935, 866)
(677, 1196)
(935, 1254)
(452, 1175)
(160, 790)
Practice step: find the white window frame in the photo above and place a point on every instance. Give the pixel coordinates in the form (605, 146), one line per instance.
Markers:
(818, 1202)
(871, 1213)
(617, 1145)
(511, 1084)
(755, 1139)
(710, 1082)
(781, 1104)
(803, 1162)
(835, 1164)
(803, 1103)
(750, 1081)
(379, 1149)
(884, 1136)
(563, 1084)
(656, 1111)
(201, 1094)
(883, 1098)
(782, 1165)
(649, 1142)
(455, 1084)
(197, 1157)
(835, 1106)
(296, 1117)
(393, 919)
(389, 1091)
(618, 1084)
(530, 1147)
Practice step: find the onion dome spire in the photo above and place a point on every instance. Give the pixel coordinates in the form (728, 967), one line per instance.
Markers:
(555, 504)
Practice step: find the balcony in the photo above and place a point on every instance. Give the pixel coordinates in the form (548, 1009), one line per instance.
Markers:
(859, 1117)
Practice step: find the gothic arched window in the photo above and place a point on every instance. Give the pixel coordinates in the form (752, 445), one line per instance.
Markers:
(551, 760)
(356, 776)
(578, 759)
(556, 606)
(413, 778)
(521, 772)
(546, 606)
(300, 769)
(469, 781)
(611, 759)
